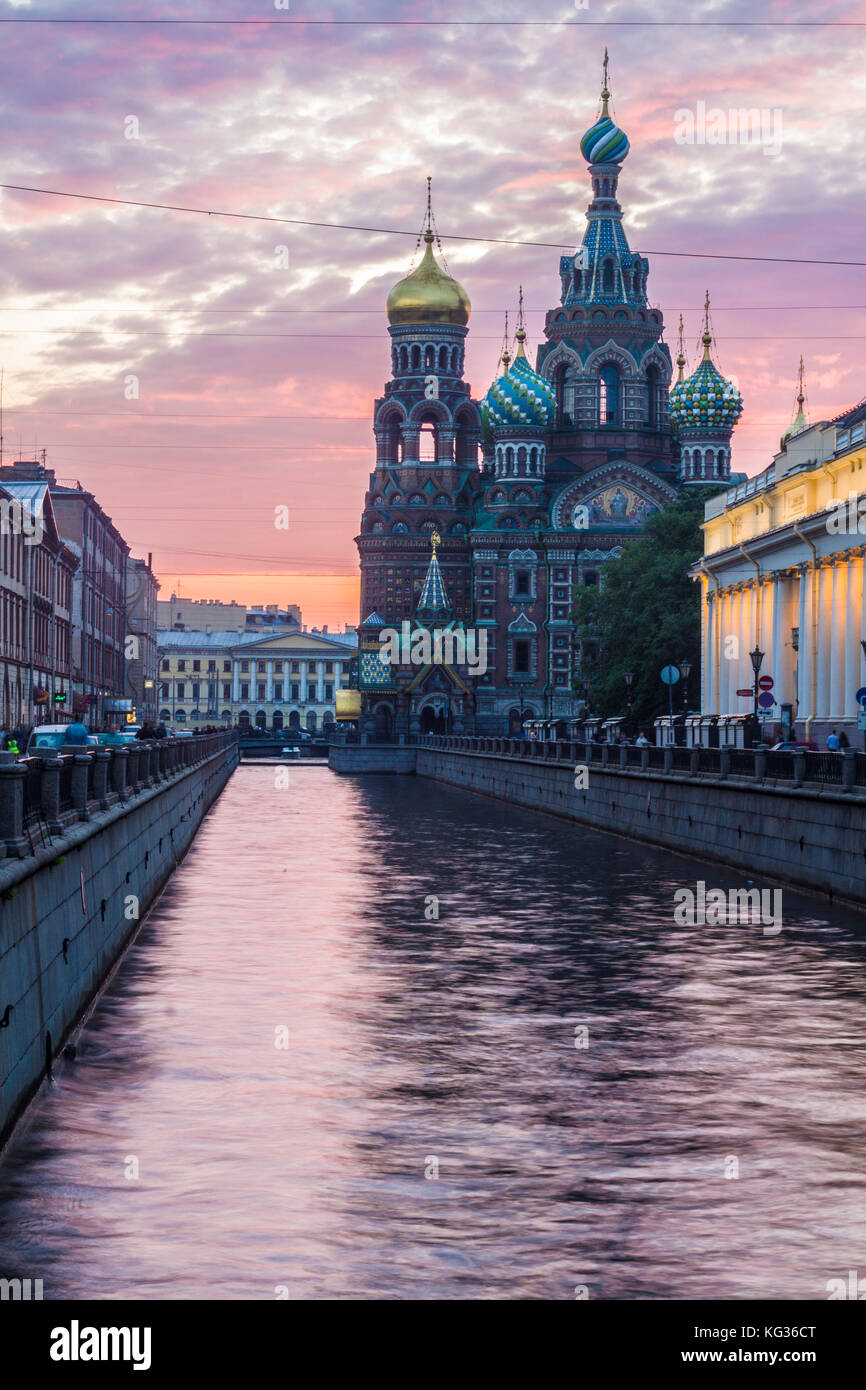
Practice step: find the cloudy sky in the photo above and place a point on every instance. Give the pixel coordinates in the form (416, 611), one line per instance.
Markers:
(256, 366)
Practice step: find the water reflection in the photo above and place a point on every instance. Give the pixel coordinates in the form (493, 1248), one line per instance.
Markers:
(415, 1044)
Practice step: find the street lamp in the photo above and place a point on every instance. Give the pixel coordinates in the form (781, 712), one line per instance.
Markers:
(685, 671)
(629, 677)
(756, 657)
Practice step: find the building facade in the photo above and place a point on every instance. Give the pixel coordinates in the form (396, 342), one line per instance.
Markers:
(534, 489)
(783, 575)
(98, 627)
(36, 583)
(142, 660)
(276, 681)
(211, 615)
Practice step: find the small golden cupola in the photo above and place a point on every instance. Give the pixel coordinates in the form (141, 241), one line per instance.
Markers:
(428, 294)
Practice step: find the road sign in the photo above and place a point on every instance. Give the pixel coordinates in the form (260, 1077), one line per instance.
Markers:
(860, 697)
(861, 719)
(670, 675)
(766, 700)
(745, 691)
(766, 683)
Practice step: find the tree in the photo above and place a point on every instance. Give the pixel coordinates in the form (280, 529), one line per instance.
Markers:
(646, 616)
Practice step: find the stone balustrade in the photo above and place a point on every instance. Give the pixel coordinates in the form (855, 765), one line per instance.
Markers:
(41, 796)
(842, 771)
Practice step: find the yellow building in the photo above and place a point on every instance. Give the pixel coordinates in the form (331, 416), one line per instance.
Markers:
(284, 680)
(783, 575)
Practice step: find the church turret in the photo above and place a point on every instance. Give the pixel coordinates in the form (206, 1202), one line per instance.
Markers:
(604, 356)
(799, 421)
(420, 416)
(519, 410)
(706, 407)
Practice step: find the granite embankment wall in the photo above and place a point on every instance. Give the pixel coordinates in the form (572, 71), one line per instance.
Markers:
(791, 817)
(812, 838)
(72, 895)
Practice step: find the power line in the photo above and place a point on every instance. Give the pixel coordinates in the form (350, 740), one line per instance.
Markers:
(399, 231)
(470, 23)
(193, 310)
(380, 338)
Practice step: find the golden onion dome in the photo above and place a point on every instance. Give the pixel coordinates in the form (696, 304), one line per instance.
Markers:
(428, 294)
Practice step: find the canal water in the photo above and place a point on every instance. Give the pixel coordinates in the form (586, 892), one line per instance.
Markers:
(301, 1083)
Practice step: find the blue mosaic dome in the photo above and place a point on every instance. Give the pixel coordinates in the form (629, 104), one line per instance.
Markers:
(706, 400)
(604, 143)
(519, 397)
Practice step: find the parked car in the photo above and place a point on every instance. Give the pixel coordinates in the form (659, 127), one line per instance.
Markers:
(789, 747)
(183, 733)
(49, 736)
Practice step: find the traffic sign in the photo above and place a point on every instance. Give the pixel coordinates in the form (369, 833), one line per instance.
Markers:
(670, 675)
(746, 691)
(766, 683)
(861, 719)
(766, 700)
(860, 697)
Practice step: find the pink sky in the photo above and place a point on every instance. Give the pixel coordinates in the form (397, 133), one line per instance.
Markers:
(256, 381)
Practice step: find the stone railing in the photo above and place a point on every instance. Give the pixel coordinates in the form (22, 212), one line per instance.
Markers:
(42, 796)
(845, 771)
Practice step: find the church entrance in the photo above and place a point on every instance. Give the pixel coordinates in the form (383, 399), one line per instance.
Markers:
(432, 721)
(515, 723)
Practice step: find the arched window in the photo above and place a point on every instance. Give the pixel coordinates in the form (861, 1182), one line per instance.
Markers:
(699, 464)
(261, 719)
(509, 458)
(653, 397)
(564, 395)
(404, 359)
(294, 719)
(278, 719)
(427, 444)
(429, 358)
(416, 358)
(608, 395)
(521, 458)
(311, 721)
(533, 460)
(443, 359)
(455, 360)
(165, 714)
(226, 716)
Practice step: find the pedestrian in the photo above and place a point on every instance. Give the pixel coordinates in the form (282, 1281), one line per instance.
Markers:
(146, 731)
(160, 731)
(833, 741)
(76, 733)
(843, 739)
(642, 741)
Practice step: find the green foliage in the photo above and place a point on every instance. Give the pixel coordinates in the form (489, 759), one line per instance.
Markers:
(648, 615)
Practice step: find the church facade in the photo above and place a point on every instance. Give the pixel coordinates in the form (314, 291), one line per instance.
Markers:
(530, 491)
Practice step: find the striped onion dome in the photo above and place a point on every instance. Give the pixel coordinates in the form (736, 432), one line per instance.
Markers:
(520, 397)
(604, 143)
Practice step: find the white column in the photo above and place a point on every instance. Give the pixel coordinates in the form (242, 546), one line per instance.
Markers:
(269, 685)
(802, 710)
(822, 695)
(836, 624)
(777, 665)
(708, 622)
(852, 636)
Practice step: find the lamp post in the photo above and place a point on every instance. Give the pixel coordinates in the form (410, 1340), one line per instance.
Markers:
(629, 677)
(756, 657)
(685, 671)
